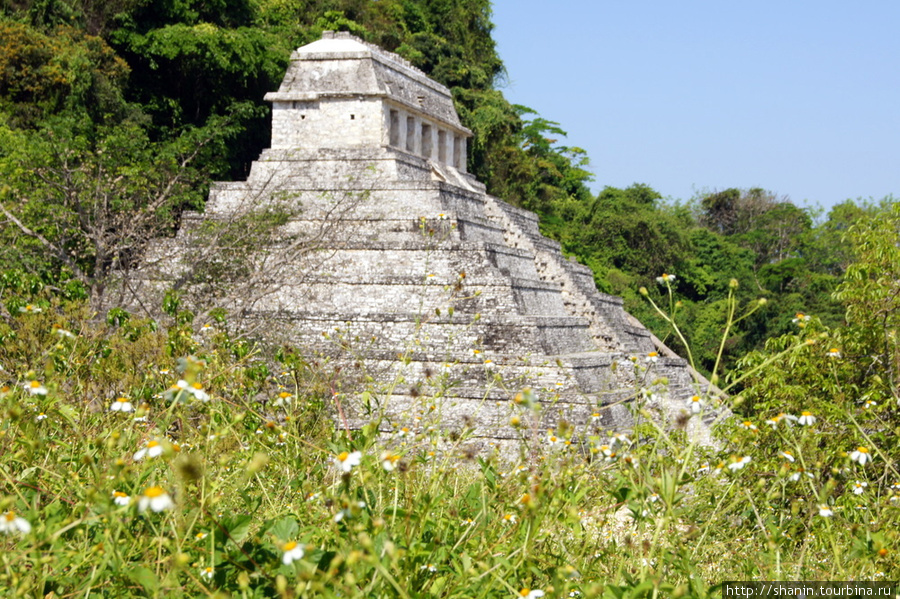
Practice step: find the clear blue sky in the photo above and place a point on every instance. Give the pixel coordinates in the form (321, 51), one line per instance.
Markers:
(800, 97)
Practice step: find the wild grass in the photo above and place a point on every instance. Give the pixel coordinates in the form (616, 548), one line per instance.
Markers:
(229, 479)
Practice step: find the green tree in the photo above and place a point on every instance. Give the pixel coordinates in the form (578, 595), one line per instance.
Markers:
(871, 292)
(44, 73)
(84, 202)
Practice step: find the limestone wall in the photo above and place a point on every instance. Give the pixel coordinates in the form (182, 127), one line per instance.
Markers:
(392, 256)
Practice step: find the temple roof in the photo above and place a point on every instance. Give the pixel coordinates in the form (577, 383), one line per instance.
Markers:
(340, 65)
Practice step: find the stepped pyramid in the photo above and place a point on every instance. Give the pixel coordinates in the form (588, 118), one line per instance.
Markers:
(452, 296)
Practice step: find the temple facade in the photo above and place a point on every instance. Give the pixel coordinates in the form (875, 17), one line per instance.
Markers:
(465, 316)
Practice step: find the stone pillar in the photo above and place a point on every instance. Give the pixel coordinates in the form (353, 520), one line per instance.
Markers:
(461, 162)
(401, 131)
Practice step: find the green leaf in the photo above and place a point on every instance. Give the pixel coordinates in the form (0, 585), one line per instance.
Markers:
(238, 527)
(145, 577)
(284, 529)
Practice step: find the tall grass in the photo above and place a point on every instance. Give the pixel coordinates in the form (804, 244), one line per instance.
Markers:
(229, 479)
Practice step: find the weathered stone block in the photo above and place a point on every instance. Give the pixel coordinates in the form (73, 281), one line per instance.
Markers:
(393, 253)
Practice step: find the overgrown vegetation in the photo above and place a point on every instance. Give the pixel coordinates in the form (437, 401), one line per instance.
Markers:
(228, 478)
(141, 461)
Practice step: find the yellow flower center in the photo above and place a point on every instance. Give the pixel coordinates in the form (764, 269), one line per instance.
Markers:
(343, 456)
(197, 386)
(290, 545)
(153, 492)
(524, 592)
(652, 354)
(122, 400)
(119, 494)
(862, 450)
(10, 516)
(152, 443)
(284, 395)
(806, 413)
(34, 384)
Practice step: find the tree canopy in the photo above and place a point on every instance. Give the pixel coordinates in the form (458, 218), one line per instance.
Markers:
(114, 116)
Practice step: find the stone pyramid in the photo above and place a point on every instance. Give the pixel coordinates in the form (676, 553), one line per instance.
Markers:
(453, 297)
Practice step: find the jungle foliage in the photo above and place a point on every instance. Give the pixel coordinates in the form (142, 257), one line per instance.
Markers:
(119, 113)
(229, 479)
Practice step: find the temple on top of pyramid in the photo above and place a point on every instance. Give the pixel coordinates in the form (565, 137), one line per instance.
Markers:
(392, 255)
(340, 92)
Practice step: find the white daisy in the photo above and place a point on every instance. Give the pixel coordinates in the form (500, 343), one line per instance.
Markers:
(283, 400)
(196, 389)
(152, 449)
(389, 460)
(861, 455)
(36, 388)
(121, 404)
(806, 418)
(156, 499)
(620, 438)
(738, 463)
(696, 403)
(292, 553)
(10, 523)
(120, 498)
(346, 462)
(795, 476)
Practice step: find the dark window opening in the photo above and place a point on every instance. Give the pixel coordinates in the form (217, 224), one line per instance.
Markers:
(395, 128)
(410, 134)
(426, 140)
